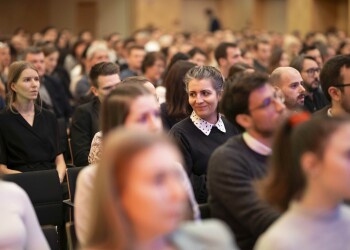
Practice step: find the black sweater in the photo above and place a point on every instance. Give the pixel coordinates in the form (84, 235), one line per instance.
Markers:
(196, 148)
(232, 197)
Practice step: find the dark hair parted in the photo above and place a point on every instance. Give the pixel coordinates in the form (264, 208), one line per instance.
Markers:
(298, 62)
(206, 72)
(150, 59)
(176, 96)
(286, 179)
(116, 106)
(102, 69)
(330, 73)
(221, 50)
(235, 99)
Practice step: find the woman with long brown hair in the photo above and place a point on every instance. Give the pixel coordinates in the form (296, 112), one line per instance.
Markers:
(29, 134)
(139, 201)
(309, 179)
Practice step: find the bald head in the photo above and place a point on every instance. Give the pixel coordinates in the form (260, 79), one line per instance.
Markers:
(289, 81)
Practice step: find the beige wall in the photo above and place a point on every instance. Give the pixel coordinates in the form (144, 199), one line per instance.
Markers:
(112, 15)
(31, 15)
(164, 14)
(125, 16)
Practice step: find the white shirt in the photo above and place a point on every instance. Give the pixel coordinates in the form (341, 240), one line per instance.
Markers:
(19, 226)
(205, 126)
(255, 145)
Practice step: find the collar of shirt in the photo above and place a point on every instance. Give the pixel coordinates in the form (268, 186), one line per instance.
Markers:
(329, 112)
(255, 145)
(205, 126)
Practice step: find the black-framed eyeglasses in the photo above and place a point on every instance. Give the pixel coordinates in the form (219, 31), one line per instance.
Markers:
(341, 85)
(312, 71)
(277, 97)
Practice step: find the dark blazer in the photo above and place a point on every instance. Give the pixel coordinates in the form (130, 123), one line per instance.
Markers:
(322, 112)
(58, 96)
(85, 124)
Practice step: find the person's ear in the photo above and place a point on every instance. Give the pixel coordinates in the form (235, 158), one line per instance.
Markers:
(310, 164)
(244, 121)
(335, 93)
(13, 87)
(220, 94)
(222, 61)
(94, 90)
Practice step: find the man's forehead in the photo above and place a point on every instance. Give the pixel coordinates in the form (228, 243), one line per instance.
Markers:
(32, 56)
(309, 63)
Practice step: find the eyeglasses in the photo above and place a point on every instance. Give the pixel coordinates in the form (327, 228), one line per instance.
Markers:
(342, 85)
(277, 97)
(311, 72)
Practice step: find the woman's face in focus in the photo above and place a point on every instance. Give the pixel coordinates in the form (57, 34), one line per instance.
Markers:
(154, 197)
(144, 113)
(203, 99)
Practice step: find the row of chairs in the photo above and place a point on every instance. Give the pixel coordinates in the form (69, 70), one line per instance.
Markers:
(45, 193)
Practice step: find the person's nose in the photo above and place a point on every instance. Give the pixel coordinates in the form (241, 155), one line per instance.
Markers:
(177, 188)
(279, 105)
(199, 98)
(154, 123)
(301, 89)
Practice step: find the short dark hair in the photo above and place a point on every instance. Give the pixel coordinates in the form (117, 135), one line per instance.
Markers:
(235, 99)
(150, 59)
(195, 51)
(102, 69)
(298, 62)
(330, 74)
(307, 48)
(134, 46)
(260, 41)
(49, 49)
(31, 50)
(221, 50)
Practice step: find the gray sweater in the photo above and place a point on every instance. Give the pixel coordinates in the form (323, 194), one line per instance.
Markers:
(300, 228)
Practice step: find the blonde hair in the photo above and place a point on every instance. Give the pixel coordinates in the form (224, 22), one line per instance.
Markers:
(109, 226)
(15, 71)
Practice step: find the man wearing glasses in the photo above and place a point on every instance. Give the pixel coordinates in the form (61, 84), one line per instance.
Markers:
(335, 79)
(310, 72)
(253, 104)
